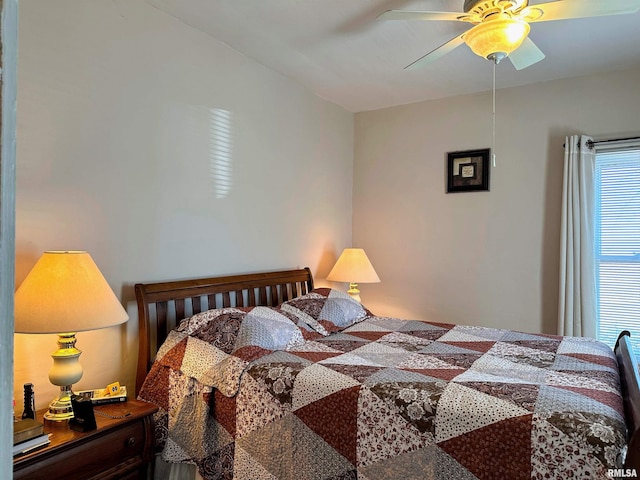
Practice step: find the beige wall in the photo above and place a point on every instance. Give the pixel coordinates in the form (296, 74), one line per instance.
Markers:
(481, 258)
(119, 148)
(117, 152)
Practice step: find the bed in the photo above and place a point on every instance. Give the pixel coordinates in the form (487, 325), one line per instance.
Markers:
(263, 376)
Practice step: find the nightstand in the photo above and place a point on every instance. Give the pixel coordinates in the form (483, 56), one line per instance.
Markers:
(120, 448)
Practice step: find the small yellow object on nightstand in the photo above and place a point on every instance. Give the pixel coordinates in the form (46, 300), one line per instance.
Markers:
(112, 389)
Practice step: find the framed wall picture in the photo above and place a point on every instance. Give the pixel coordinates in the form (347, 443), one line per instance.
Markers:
(468, 171)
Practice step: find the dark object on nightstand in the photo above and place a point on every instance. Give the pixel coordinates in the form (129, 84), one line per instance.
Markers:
(120, 448)
(29, 402)
(83, 418)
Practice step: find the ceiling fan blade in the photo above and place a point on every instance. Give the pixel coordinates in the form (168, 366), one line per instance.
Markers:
(568, 9)
(526, 55)
(437, 53)
(418, 15)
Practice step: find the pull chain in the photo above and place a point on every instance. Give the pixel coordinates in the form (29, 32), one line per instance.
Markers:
(493, 119)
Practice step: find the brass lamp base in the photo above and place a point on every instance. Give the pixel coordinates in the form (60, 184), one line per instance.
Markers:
(60, 409)
(65, 371)
(354, 292)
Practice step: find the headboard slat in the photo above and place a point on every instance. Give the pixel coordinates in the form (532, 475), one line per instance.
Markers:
(161, 314)
(262, 295)
(179, 305)
(226, 299)
(211, 301)
(239, 298)
(168, 300)
(196, 304)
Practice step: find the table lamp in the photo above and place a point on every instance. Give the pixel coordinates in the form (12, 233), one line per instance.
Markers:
(65, 293)
(353, 266)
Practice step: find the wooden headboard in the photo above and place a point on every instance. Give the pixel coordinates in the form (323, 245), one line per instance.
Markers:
(161, 306)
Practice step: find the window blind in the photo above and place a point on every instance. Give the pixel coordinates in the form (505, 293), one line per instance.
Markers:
(617, 243)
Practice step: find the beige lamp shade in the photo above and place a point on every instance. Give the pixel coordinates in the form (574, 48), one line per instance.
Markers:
(353, 266)
(65, 292)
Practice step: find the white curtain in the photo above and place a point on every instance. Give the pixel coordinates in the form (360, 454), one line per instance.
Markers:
(577, 308)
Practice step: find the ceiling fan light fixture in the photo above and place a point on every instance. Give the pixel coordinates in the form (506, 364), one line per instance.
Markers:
(497, 37)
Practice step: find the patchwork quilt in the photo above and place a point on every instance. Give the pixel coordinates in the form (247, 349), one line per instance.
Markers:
(318, 389)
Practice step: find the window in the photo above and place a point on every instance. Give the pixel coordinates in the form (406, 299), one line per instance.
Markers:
(617, 242)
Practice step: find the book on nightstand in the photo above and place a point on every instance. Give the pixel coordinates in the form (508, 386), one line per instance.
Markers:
(31, 444)
(101, 396)
(26, 429)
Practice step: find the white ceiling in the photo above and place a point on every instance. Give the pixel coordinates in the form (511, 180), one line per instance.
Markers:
(337, 48)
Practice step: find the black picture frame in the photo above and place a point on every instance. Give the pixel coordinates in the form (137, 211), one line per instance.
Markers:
(468, 171)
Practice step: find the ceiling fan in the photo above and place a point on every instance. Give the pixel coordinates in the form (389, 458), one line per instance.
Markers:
(501, 27)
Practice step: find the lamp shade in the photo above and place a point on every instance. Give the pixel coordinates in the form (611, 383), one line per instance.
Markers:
(354, 266)
(65, 292)
(497, 37)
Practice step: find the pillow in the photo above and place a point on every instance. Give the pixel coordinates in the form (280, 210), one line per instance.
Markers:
(231, 329)
(304, 323)
(304, 311)
(268, 328)
(326, 310)
(217, 327)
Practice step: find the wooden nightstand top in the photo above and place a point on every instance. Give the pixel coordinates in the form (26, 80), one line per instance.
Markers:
(131, 430)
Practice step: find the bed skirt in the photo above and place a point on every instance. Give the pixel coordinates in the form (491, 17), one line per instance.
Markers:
(174, 471)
